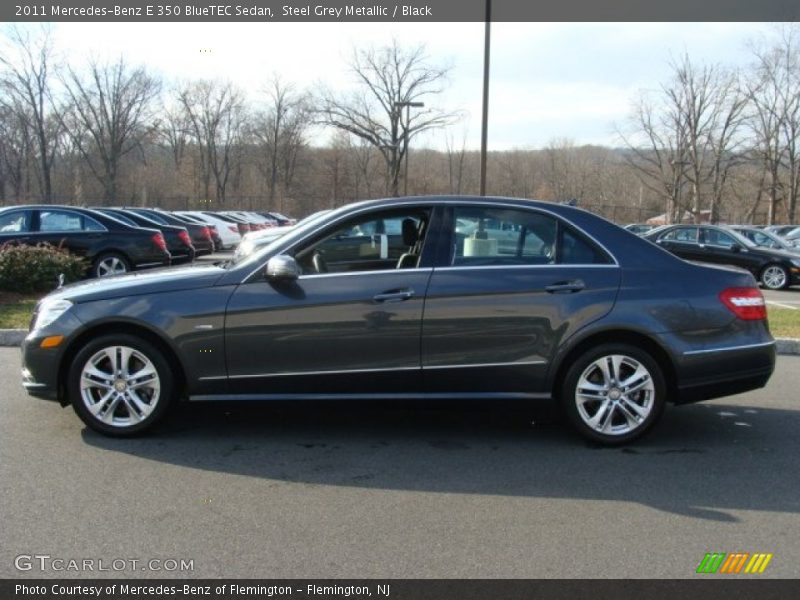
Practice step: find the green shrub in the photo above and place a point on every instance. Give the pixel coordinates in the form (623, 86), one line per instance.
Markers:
(27, 269)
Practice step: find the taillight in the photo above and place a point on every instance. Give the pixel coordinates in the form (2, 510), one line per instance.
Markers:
(206, 233)
(746, 303)
(183, 235)
(159, 241)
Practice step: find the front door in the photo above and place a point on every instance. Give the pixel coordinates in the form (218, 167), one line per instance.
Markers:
(350, 324)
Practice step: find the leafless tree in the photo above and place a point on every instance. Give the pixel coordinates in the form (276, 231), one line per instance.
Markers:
(711, 105)
(216, 113)
(14, 154)
(109, 114)
(774, 119)
(279, 133)
(456, 159)
(387, 77)
(657, 148)
(25, 89)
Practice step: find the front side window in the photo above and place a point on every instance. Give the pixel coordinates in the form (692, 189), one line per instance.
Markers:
(386, 240)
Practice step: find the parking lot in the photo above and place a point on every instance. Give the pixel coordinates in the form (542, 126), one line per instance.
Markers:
(401, 490)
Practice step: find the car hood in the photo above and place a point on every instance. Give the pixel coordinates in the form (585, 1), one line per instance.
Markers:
(144, 282)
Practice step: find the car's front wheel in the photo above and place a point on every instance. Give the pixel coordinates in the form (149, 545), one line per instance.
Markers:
(120, 385)
(614, 393)
(110, 263)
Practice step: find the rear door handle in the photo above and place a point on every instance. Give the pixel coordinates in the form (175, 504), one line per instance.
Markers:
(393, 296)
(565, 287)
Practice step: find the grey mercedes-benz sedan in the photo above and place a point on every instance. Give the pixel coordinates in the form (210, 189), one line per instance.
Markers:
(428, 297)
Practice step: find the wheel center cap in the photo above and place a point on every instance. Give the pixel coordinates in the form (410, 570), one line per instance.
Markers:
(120, 385)
(614, 393)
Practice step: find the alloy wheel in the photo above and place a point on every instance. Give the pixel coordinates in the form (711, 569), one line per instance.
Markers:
(111, 265)
(615, 394)
(774, 277)
(120, 386)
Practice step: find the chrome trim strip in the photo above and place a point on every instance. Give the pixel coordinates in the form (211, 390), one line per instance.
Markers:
(481, 365)
(379, 370)
(729, 348)
(151, 264)
(397, 396)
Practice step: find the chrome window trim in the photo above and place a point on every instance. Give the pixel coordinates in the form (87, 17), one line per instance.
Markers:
(551, 265)
(432, 204)
(377, 370)
(729, 348)
(378, 272)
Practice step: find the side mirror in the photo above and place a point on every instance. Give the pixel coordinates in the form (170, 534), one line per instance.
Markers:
(282, 268)
(736, 248)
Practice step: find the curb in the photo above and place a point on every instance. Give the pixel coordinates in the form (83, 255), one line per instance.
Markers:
(14, 337)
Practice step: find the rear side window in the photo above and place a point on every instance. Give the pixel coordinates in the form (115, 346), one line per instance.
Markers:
(501, 236)
(15, 221)
(66, 221)
(491, 236)
(681, 234)
(715, 237)
(575, 250)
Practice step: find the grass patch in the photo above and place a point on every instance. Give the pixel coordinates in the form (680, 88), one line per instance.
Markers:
(784, 322)
(16, 310)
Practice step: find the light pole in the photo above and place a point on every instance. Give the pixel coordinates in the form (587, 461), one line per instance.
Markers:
(485, 112)
(407, 106)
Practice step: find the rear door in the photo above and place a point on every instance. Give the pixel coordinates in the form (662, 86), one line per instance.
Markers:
(497, 308)
(71, 229)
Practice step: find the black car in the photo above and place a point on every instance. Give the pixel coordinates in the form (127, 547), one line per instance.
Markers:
(579, 311)
(177, 238)
(774, 269)
(110, 246)
(200, 234)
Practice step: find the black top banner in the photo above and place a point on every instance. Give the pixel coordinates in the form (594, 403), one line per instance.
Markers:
(391, 10)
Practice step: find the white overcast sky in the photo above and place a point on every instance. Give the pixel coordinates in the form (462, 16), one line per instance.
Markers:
(548, 80)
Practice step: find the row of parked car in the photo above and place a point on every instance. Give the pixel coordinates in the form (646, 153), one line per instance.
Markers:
(118, 240)
(771, 254)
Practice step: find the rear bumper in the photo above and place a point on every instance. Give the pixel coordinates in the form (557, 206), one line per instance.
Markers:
(724, 371)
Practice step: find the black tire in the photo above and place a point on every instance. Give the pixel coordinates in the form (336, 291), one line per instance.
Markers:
(774, 277)
(107, 259)
(126, 419)
(619, 406)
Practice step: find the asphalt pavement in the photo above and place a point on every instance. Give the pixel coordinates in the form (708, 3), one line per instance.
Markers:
(402, 490)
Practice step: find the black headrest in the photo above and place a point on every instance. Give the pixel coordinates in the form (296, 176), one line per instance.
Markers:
(410, 233)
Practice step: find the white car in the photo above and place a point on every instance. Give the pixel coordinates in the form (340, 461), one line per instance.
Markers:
(257, 239)
(228, 232)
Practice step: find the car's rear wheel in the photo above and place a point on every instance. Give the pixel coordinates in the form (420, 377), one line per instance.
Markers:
(110, 263)
(774, 277)
(614, 393)
(120, 385)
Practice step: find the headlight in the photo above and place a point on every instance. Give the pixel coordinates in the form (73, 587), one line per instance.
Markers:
(49, 311)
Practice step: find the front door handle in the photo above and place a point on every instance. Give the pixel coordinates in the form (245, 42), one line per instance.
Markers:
(393, 296)
(565, 287)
